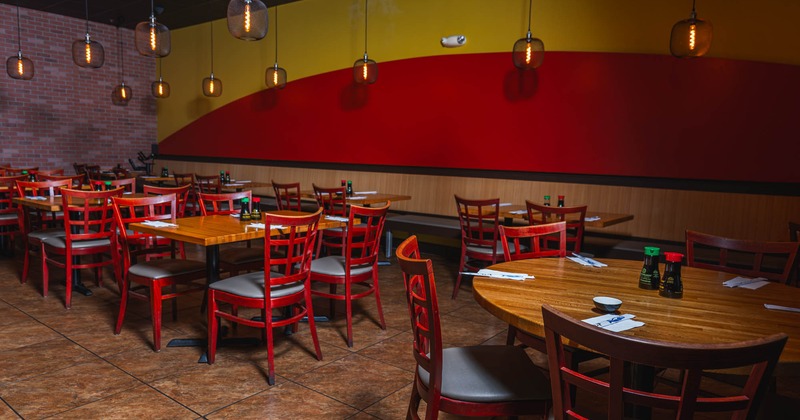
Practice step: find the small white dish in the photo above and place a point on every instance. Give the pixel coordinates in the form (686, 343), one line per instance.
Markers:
(607, 304)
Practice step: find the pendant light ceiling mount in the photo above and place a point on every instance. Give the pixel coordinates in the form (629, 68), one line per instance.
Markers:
(18, 66)
(365, 71)
(528, 52)
(275, 76)
(248, 20)
(85, 52)
(152, 38)
(690, 37)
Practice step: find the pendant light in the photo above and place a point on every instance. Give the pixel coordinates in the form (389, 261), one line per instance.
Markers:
(212, 86)
(121, 94)
(248, 19)
(276, 76)
(690, 37)
(365, 71)
(160, 88)
(529, 51)
(85, 52)
(17, 66)
(152, 38)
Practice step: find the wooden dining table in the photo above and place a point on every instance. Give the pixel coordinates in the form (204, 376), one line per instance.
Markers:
(708, 312)
(363, 198)
(595, 219)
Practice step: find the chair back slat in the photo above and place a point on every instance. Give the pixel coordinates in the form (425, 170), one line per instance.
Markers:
(291, 252)
(88, 215)
(363, 238)
(287, 196)
(223, 203)
(771, 260)
(529, 241)
(575, 217)
(479, 221)
(332, 200)
(759, 355)
(181, 194)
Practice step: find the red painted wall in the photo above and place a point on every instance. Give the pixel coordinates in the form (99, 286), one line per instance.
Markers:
(580, 113)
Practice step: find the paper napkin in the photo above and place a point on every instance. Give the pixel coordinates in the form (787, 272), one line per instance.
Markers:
(591, 219)
(485, 272)
(366, 192)
(158, 223)
(614, 323)
(337, 218)
(781, 308)
(746, 283)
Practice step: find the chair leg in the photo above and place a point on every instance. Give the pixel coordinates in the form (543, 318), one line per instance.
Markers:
(332, 302)
(378, 297)
(512, 335)
(270, 350)
(348, 301)
(460, 269)
(68, 275)
(155, 304)
(45, 274)
(25, 261)
(312, 325)
(213, 326)
(413, 404)
(123, 305)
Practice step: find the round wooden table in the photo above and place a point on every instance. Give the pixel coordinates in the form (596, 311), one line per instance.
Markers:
(708, 312)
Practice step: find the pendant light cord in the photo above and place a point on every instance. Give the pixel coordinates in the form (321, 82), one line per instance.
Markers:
(366, 22)
(276, 34)
(121, 58)
(19, 31)
(212, 47)
(530, 11)
(87, 16)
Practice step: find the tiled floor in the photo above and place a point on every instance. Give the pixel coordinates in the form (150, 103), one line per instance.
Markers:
(68, 363)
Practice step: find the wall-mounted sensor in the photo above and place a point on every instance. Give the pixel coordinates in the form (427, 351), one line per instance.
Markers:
(453, 41)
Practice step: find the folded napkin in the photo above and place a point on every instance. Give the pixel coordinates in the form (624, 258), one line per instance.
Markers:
(126, 193)
(614, 323)
(746, 283)
(781, 308)
(337, 218)
(580, 259)
(359, 197)
(36, 197)
(158, 223)
(263, 226)
(506, 204)
(591, 219)
(366, 192)
(241, 181)
(236, 215)
(519, 212)
(485, 272)
(233, 185)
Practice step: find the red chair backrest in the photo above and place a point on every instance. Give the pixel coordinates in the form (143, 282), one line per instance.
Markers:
(129, 210)
(364, 237)
(287, 196)
(182, 194)
(291, 252)
(88, 215)
(208, 184)
(479, 221)
(529, 241)
(332, 200)
(42, 188)
(213, 203)
(574, 216)
(75, 180)
(128, 184)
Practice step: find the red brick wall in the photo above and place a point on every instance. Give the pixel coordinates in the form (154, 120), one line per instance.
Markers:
(64, 114)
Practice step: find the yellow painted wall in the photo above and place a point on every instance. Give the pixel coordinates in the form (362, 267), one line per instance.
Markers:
(318, 36)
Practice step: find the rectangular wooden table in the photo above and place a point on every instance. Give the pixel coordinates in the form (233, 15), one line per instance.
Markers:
(512, 212)
(362, 199)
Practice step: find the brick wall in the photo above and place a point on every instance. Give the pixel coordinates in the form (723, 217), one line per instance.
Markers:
(64, 114)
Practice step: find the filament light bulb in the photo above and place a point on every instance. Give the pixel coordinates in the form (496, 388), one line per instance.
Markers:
(247, 17)
(88, 50)
(152, 37)
(123, 94)
(692, 37)
(20, 67)
(365, 71)
(160, 89)
(211, 87)
(528, 53)
(275, 78)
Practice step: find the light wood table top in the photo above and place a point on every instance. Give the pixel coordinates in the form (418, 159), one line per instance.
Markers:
(361, 199)
(606, 219)
(708, 312)
(220, 229)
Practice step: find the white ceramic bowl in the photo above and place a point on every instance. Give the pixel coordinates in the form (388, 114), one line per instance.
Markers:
(607, 304)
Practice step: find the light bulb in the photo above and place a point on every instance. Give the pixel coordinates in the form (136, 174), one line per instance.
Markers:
(88, 50)
(152, 37)
(122, 92)
(160, 89)
(692, 37)
(20, 67)
(365, 71)
(528, 53)
(275, 78)
(247, 17)
(211, 87)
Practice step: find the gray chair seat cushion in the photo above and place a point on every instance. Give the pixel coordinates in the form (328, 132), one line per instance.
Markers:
(240, 255)
(251, 285)
(334, 265)
(158, 269)
(9, 216)
(490, 374)
(61, 242)
(488, 250)
(41, 235)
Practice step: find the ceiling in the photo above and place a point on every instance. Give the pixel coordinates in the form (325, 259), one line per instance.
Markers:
(173, 13)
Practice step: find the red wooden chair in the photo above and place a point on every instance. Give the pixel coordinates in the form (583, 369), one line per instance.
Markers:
(188, 178)
(127, 184)
(39, 225)
(182, 194)
(287, 275)
(89, 230)
(145, 280)
(524, 242)
(39, 172)
(75, 180)
(771, 260)
(11, 219)
(466, 381)
(334, 203)
(357, 266)
(232, 259)
(19, 171)
(760, 355)
(480, 244)
(208, 184)
(574, 216)
(287, 196)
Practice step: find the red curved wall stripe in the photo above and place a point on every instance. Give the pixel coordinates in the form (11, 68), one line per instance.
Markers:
(580, 113)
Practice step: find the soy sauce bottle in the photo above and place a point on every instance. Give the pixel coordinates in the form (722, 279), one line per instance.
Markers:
(560, 201)
(255, 215)
(671, 285)
(221, 177)
(349, 188)
(244, 215)
(547, 200)
(650, 276)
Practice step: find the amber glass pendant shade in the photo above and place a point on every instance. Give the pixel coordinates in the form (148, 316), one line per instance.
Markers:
(19, 67)
(248, 19)
(160, 89)
(121, 95)
(690, 38)
(276, 77)
(528, 53)
(365, 71)
(212, 86)
(85, 52)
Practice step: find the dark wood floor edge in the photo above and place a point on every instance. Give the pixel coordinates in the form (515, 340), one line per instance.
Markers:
(741, 187)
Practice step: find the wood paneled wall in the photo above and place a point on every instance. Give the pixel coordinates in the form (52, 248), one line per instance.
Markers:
(659, 213)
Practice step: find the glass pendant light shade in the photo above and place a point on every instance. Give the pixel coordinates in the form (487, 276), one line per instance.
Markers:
(365, 71)
(160, 88)
(121, 95)
(248, 19)
(690, 37)
(276, 77)
(152, 38)
(88, 53)
(212, 86)
(528, 53)
(19, 67)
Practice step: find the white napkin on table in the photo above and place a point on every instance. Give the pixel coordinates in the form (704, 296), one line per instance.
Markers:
(519, 212)
(485, 272)
(781, 308)
(360, 197)
(614, 323)
(36, 197)
(591, 218)
(263, 226)
(746, 283)
(158, 223)
(337, 218)
(366, 192)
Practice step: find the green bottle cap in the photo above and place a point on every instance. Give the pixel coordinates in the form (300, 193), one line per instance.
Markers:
(652, 251)
(547, 197)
